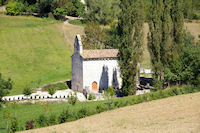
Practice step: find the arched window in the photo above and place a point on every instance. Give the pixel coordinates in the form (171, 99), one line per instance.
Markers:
(94, 86)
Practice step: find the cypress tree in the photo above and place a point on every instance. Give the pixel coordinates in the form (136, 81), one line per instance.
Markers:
(176, 65)
(167, 34)
(178, 22)
(130, 28)
(155, 41)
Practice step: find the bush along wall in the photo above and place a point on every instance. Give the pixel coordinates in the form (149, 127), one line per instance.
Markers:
(71, 114)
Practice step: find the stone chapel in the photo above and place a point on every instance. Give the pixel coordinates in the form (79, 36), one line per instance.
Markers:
(94, 70)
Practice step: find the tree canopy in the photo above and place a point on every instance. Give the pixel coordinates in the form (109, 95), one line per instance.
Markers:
(5, 86)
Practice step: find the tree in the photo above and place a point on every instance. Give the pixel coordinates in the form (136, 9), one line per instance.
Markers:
(95, 37)
(5, 87)
(178, 38)
(102, 11)
(46, 6)
(51, 90)
(155, 40)
(167, 32)
(130, 28)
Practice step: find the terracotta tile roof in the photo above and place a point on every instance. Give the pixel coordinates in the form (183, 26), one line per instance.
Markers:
(100, 53)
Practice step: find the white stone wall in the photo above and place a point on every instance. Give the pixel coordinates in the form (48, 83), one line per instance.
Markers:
(93, 69)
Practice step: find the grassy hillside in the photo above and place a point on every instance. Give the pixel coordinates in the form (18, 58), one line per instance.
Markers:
(33, 50)
(178, 114)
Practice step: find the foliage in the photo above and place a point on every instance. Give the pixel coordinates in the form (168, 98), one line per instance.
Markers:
(130, 35)
(29, 125)
(67, 10)
(14, 125)
(5, 87)
(102, 11)
(42, 120)
(91, 96)
(45, 6)
(72, 99)
(57, 86)
(51, 90)
(101, 108)
(64, 116)
(170, 46)
(82, 113)
(94, 37)
(52, 119)
(30, 112)
(155, 41)
(70, 8)
(15, 8)
(27, 91)
(109, 92)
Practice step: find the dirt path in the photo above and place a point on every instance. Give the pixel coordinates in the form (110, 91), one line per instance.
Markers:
(69, 32)
(179, 114)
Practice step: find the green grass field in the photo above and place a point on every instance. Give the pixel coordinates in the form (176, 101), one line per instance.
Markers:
(33, 50)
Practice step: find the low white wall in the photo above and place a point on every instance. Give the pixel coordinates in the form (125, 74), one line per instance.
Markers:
(44, 95)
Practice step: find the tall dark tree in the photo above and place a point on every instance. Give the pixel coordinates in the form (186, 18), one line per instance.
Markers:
(155, 41)
(178, 37)
(130, 30)
(167, 32)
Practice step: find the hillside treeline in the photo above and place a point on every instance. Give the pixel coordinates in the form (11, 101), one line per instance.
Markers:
(101, 11)
(175, 55)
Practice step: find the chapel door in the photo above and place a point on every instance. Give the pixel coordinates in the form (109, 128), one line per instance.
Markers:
(94, 87)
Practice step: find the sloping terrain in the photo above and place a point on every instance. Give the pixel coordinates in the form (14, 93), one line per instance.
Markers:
(180, 114)
(33, 51)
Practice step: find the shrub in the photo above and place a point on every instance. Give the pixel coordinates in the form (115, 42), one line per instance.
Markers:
(61, 86)
(109, 93)
(82, 113)
(110, 104)
(42, 120)
(52, 119)
(15, 8)
(72, 99)
(32, 9)
(101, 108)
(27, 91)
(51, 90)
(29, 125)
(117, 104)
(14, 125)
(57, 86)
(91, 97)
(64, 116)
